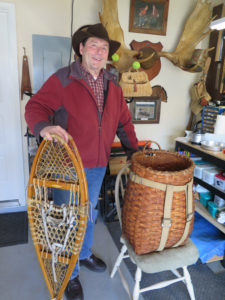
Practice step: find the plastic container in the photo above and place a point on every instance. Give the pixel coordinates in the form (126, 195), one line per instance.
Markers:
(205, 198)
(220, 202)
(200, 189)
(199, 169)
(201, 162)
(213, 209)
(220, 182)
(195, 158)
(208, 175)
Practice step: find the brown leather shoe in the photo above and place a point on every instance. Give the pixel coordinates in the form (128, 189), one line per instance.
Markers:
(74, 290)
(93, 263)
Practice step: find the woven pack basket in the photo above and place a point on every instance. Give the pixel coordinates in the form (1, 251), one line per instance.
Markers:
(135, 84)
(158, 210)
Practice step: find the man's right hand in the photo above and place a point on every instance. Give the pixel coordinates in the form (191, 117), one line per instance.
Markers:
(48, 130)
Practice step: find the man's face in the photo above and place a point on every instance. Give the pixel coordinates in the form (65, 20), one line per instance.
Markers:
(94, 54)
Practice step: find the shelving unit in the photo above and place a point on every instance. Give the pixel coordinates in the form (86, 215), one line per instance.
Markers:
(217, 158)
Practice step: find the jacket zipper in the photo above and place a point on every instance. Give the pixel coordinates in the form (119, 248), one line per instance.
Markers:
(99, 117)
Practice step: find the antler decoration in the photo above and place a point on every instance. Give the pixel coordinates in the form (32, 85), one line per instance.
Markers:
(109, 18)
(185, 54)
(192, 34)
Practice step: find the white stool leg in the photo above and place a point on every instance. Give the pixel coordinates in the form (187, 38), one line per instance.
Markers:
(176, 273)
(136, 291)
(118, 261)
(189, 283)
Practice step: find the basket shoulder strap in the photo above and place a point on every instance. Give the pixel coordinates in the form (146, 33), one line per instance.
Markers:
(166, 221)
(189, 213)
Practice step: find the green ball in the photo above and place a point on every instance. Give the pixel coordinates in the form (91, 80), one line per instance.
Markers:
(115, 57)
(136, 65)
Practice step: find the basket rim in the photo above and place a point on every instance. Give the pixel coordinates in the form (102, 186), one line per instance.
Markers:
(149, 169)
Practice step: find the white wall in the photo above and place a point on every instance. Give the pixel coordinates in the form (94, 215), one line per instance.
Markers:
(52, 17)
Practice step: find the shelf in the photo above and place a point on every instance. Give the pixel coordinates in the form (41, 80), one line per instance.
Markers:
(210, 187)
(204, 213)
(217, 158)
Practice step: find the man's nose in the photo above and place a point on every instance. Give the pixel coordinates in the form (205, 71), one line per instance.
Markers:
(100, 50)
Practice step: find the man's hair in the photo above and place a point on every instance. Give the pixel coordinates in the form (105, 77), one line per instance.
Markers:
(84, 41)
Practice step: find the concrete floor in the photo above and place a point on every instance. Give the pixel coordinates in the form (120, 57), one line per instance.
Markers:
(21, 277)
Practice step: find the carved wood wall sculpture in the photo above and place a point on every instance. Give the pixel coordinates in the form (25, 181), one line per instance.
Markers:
(159, 92)
(185, 53)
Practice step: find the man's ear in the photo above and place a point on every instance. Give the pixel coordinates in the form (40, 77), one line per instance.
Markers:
(81, 48)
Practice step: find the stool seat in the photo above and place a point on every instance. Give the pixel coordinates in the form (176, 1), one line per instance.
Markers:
(166, 260)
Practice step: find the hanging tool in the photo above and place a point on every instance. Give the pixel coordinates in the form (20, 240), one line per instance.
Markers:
(25, 82)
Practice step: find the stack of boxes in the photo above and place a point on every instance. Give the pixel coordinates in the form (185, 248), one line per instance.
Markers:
(212, 175)
(209, 116)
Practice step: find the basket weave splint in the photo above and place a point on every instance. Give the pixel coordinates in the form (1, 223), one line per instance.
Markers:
(57, 231)
(158, 205)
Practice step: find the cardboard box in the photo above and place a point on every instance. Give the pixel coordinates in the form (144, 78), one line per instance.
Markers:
(116, 164)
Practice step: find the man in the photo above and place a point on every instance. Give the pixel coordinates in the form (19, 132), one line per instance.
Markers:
(142, 15)
(85, 101)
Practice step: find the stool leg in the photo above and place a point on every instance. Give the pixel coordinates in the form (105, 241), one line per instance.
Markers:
(118, 261)
(136, 291)
(189, 283)
(176, 273)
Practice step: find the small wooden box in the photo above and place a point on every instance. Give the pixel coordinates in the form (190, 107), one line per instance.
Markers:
(116, 163)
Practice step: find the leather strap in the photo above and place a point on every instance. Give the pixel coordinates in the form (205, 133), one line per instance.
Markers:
(189, 213)
(166, 221)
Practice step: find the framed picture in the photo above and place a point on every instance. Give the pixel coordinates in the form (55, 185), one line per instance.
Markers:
(145, 110)
(148, 16)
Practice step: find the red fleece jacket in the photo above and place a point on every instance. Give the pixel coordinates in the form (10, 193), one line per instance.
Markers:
(65, 99)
